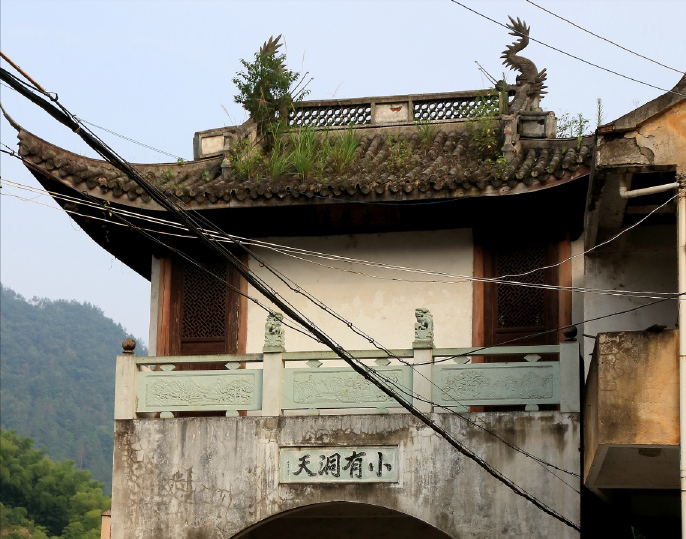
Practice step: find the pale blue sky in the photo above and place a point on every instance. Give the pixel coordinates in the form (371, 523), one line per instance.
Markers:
(158, 71)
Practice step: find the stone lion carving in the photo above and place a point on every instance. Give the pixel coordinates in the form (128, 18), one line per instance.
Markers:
(273, 331)
(424, 327)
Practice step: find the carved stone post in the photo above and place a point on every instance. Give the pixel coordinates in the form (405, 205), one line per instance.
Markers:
(125, 382)
(272, 365)
(423, 359)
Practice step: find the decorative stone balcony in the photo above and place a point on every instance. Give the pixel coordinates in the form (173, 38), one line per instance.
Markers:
(277, 382)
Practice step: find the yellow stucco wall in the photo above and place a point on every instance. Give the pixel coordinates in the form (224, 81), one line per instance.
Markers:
(661, 140)
(632, 392)
(665, 136)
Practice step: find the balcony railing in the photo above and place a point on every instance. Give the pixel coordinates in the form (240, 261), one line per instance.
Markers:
(277, 383)
(373, 111)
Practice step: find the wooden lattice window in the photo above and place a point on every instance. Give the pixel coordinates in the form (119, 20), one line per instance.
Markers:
(204, 308)
(205, 305)
(520, 306)
(517, 311)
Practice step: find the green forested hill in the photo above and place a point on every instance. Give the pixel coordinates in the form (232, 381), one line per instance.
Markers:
(57, 367)
(40, 498)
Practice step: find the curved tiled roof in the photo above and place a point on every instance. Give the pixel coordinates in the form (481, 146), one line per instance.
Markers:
(446, 168)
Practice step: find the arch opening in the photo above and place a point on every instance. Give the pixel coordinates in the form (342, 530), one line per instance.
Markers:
(342, 520)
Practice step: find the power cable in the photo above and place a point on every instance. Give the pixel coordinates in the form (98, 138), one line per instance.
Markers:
(130, 139)
(147, 233)
(63, 116)
(476, 350)
(290, 252)
(604, 39)
(124, 137)
(566, 53)
(388, 380)
(390, 354)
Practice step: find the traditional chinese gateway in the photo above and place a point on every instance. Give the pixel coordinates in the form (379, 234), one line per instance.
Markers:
(239, 425)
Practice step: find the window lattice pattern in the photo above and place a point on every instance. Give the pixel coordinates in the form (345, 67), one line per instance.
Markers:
(324, 116)
(204, 301)
(451, 109)
(520, 306)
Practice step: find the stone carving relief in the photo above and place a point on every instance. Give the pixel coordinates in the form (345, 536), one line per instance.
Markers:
(274, 338)
(344, 388)
(424, 326)
(496, 385)
(186, 391)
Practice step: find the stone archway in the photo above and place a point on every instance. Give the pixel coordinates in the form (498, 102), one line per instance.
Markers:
(342, 520)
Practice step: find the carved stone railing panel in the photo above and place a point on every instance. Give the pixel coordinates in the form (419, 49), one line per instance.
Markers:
(330, 115)
(484, 384)
(455, 108)
(195, 391)
(457, 385)
(340, 387)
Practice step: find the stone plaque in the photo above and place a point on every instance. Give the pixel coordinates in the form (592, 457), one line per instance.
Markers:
(350, 464)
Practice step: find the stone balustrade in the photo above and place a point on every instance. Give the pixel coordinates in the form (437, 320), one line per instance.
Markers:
(277, 382)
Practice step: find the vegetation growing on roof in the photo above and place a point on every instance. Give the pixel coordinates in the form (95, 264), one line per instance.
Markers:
(401, 157)
(303, 151)
(265, 88)
(577, 126)
(484, 134)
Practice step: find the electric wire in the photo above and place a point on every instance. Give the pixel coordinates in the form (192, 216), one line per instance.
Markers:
(290, 251)
(111, 156)
(388, 380)
(96, 126)
(130, 139)
(603, 38)
(428, 421)
(566, 53)
(123, 222)
(111, 210)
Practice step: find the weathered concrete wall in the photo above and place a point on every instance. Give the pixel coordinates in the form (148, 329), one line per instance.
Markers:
(211, 478)
(381, 307)
(631, 401)
(642, 259)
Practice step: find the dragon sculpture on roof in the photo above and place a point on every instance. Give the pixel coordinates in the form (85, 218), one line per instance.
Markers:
(530, 87)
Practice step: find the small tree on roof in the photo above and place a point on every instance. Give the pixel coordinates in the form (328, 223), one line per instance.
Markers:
(264, 88)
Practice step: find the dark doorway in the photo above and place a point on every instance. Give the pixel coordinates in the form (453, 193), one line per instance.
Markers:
(342, 520)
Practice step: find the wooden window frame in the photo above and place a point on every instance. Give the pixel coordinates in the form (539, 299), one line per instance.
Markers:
(170, 315)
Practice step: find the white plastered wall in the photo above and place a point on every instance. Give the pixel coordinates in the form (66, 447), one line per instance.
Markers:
(381, 307)
(643, 259)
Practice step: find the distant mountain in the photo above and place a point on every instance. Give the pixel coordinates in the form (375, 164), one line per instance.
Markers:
(57, 370)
